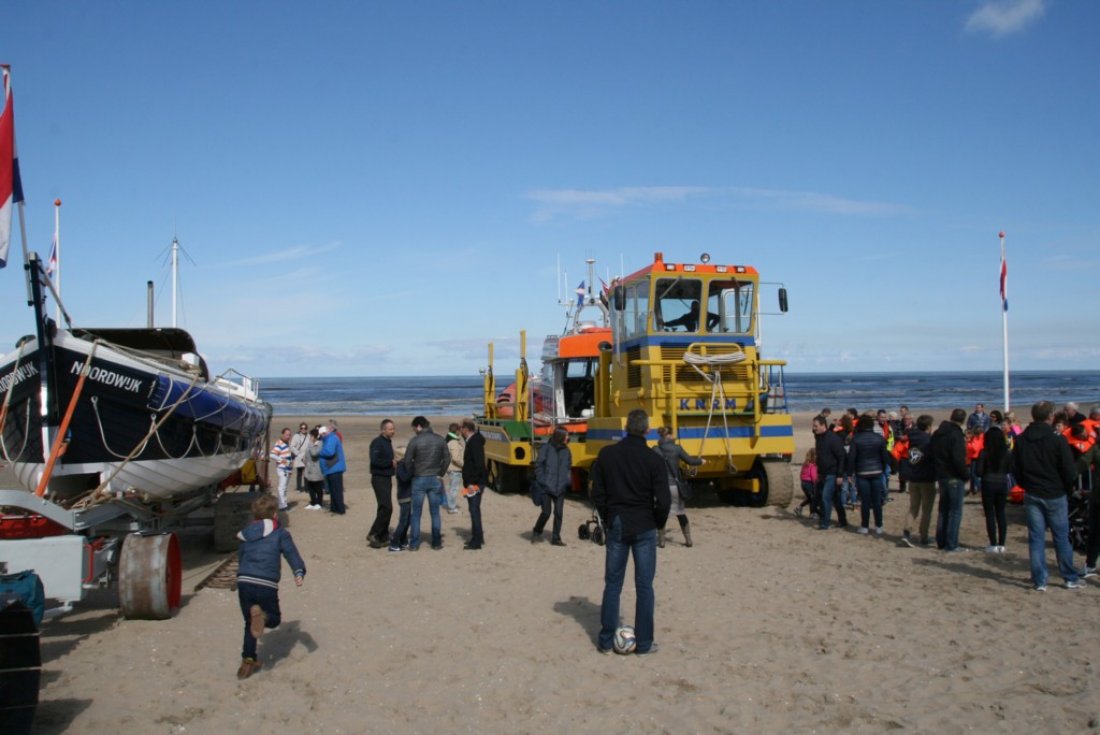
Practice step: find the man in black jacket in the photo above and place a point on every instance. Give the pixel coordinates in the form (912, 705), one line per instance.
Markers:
(829, 448)
(382, 467)
(630, 491)
(473, 481)
(1044, 467)
(920, 474)
(949, 454)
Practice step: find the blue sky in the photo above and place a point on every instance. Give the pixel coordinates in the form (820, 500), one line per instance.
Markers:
(381, 188)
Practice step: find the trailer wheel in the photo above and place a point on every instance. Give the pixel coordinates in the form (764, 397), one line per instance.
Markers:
(150, 576)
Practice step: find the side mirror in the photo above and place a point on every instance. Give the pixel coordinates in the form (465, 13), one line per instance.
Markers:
(618, 298)
(783, 300)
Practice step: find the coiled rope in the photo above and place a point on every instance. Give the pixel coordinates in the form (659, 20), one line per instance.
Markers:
(717, 393)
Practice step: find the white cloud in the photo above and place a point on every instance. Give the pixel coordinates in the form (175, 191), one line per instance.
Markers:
(588, 203)
(1003, 17)
(809, 201)
(296, 252)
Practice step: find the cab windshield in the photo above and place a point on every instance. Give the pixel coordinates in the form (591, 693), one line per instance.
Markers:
(677, 304)
(729, 306)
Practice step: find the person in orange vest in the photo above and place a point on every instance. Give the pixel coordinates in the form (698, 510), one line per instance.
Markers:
(1083, 445)
(900, 453)
(975, 442)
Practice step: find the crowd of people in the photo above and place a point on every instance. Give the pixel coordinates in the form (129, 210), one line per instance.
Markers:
(635, 488)
(1051, 462)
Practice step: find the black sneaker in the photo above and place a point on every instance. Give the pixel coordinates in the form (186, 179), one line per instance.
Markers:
(906, 540)
(652, 649)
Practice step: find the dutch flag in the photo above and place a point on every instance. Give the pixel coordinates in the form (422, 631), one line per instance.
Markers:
(11, 188)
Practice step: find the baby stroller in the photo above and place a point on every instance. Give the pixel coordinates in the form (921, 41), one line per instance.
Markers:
(1078, 519)
(592, 530)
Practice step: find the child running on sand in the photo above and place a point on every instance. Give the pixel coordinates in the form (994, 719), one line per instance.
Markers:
(263, 541)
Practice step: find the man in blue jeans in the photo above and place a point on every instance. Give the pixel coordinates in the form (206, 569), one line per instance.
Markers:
(1044, 467)
(428, 458)
(948, 447)
(630, 491)
(829, 449)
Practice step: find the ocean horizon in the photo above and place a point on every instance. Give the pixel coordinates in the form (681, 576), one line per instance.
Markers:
(461, 395)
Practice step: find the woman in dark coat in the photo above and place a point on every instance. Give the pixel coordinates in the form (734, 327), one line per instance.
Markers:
(868, 460)
(674, 454)
(994, 466)
(553, 476)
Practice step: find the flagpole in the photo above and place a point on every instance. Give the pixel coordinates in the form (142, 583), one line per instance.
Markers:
(57, 252)
(1004, 315)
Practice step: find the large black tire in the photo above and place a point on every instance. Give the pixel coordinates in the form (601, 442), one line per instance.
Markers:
(507, 479)
(759, 499)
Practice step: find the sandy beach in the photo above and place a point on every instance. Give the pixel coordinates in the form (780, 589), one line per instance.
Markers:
(766, 625)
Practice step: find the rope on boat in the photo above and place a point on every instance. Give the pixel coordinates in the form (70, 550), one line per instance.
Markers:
(60, 443)
(96, 495)
(717, 393)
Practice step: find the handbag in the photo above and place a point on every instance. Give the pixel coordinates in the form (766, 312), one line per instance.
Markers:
(27, 587)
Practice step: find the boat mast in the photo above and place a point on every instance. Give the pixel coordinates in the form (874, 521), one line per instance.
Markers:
(175, 276)
(44, 354)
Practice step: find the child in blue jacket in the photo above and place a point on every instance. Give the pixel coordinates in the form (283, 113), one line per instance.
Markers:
(258, 571)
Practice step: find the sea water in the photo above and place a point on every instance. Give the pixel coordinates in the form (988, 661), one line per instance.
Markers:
(462, 395)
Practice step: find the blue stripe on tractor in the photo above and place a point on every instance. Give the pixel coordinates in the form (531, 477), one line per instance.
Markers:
(671, 340)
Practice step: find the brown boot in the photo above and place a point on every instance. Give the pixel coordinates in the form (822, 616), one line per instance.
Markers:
(249, 666)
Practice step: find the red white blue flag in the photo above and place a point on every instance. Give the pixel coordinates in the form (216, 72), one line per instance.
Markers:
(580, 294)
(1004, 277)
(11, 188)
(51, 264)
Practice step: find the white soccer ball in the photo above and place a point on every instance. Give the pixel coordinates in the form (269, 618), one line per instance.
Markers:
(624, 641)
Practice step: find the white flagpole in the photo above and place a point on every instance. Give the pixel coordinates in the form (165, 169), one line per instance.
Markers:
(57, 251)
(1004, 316)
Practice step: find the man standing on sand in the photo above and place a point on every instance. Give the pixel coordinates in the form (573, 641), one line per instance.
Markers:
(333, 466)
(473, 480)
(382, 467)
(630, 491)
(948, 447)
(1044, 467)
(979, 419)
(284, 464)
(921, 471)
(829, 450)
(427, 457)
